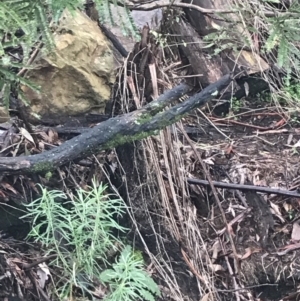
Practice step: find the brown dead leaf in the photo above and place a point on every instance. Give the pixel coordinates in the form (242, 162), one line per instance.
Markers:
(216, 268)
(44, 136)
(284, 229)
(8, 187)
(32, 185)
(276, 210)
(290, 138)
(297, 144)
(26, 135)
(53, 136)
(249, 252)
(257, 237)
(207, 297)
(209, 161)
(100, 291)
(42, 273)
(3, 196)
(231, 210)
(216, 248)
(296, 231)
(14, 267)
(288, 248)
(41, 145)
(287, 207)
(229, 149)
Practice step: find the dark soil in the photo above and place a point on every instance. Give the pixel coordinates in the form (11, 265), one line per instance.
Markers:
(258, 150)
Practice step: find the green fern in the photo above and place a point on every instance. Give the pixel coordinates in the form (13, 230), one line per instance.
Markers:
(123, 15)
(105, 13)
(284, 34)
(127, 279)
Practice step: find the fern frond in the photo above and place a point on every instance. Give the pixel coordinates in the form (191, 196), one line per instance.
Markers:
(5, 91)
(272, 40)
(146, 295)
(127, 279)
(122, 16)
(7, 12)
(131, 24)
(104, 10)
(283, 50)
(42, 21)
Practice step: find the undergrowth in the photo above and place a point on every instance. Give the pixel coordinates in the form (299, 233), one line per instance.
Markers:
(81, 234)
(268, 28)
(288, 96)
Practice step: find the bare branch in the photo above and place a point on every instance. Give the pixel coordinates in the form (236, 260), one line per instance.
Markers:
(182, 5)
(243, 187)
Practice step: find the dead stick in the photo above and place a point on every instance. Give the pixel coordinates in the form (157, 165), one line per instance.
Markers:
(215, 194)
(244, 187)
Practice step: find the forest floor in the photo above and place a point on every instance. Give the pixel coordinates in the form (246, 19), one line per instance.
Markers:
(242, 246)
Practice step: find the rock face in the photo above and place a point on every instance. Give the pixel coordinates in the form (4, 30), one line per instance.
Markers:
(152, 18)
(4, 115)
(76, 77)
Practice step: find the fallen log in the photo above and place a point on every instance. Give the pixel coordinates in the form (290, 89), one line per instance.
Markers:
(116, 131)
(204, 61)
(215, 43)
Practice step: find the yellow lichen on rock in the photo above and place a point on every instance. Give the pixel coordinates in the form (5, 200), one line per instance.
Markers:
(76, 77)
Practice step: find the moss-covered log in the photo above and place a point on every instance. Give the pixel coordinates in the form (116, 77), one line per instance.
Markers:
(116, 131)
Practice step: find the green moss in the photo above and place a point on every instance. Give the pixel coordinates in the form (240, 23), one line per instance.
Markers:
(143, 118)
(122, 139)
(42, 167)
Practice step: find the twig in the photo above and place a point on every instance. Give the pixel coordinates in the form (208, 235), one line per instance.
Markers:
(215, 194)
(184, 5)
(40, 291)
(202, 9)
(245, 187)
(279, 123)
(27, 266)
(191, 267)
(235, 220)
(246, 288)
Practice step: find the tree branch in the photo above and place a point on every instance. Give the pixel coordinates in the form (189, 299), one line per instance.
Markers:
(116, 131)
(182, 5)
(146, 7)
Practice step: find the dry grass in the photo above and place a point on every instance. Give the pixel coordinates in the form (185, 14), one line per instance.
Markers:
(168, 165)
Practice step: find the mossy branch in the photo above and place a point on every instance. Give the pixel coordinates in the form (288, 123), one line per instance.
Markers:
(116, 131)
